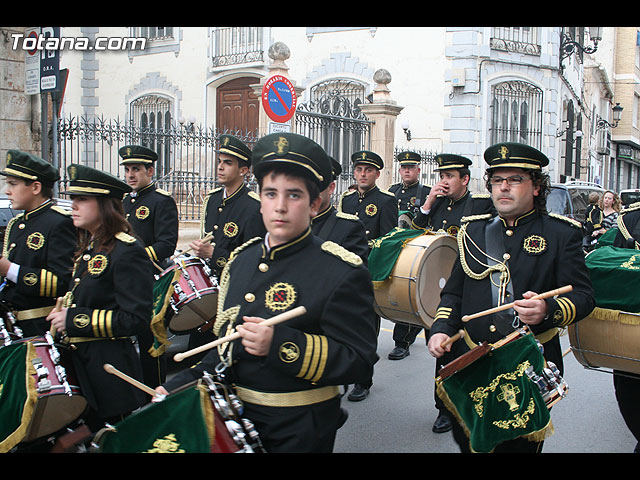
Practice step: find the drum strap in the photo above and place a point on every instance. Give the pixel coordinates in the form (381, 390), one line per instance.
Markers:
(495, 249)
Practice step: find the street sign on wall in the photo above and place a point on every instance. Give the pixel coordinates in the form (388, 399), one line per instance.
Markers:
(32, 65)
(279, 99)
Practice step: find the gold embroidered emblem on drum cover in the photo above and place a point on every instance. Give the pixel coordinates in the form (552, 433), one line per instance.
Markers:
(167, 444)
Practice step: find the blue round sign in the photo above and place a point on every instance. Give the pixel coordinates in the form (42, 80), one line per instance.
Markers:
(279, 98)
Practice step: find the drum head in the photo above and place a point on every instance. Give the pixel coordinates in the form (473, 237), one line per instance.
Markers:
(405, 220)
(434, 270)
(195, 312)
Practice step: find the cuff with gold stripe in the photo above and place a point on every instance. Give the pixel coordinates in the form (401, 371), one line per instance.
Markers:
(313, 355)
(443, 313)
(43, 281)
(98, 323)
(152, 253)
(563, 311)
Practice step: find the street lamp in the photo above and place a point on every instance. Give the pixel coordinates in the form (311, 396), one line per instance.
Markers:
(568, 45)
(617, 115)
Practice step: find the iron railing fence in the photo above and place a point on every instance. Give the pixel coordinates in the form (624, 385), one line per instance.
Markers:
(189, 154)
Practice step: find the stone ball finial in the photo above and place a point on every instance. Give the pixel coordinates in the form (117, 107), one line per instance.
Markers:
(279, 51)
(382, 76)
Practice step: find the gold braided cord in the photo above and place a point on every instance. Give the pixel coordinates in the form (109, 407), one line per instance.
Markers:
(500, 265)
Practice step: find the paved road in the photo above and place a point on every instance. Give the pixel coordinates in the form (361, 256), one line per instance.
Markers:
(399, 413)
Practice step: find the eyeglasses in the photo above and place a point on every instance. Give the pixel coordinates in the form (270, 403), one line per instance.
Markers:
(512, 180)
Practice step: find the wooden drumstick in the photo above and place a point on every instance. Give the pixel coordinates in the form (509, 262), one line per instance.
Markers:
(113, 370)
(296, 312)
(450, 340)
(57, 308)
(506, 306)
(206, 239)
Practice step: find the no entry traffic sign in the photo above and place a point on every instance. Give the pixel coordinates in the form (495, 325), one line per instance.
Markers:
(279, 98)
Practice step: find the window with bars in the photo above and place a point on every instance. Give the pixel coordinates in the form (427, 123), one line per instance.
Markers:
(152, 116)
(516, 113)
(156, 33)
(237, 45)
(516, 39)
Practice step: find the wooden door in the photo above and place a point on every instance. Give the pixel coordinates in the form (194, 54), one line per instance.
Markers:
(237, 106)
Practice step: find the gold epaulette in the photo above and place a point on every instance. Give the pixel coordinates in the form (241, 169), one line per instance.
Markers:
(480, 195)
(631, 208)
(472, 218)
(211, 192)
(342, 253)
(254, 195)
(348, 216)
(125, 237)
(61, 210)
(387, 192)
(570, 221)
(163, 192)
(344, 194)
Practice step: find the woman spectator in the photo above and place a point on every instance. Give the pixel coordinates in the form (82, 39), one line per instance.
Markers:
(610, 205)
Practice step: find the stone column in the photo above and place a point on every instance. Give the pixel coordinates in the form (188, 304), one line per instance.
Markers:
(382, 112)
(278, 53)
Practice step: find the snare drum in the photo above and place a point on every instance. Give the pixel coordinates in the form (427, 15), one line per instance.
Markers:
(59, 400)
(198, 418)
(411, 294)
(607, 339)
(195, 294)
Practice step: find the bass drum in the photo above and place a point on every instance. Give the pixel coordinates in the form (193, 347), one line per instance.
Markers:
(412, 292)
(608, 339)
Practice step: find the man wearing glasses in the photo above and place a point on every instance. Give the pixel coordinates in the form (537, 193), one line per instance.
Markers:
(529, 251)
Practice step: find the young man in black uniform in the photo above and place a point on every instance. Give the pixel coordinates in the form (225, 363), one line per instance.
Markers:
(375, 207)
(342, 228)
(288, 375)
(38, 244)
(411, 194)
(153, 215)
(231, 214)
(378, 211)
(627, 385)
(512, 256)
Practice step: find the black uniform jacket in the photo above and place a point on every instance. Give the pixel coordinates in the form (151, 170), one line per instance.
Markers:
(376, 208)
(232, 221)
(42, 242)
(543, 252)
(445, 214)
(342, 228)
(628, 235)
(112, 300)
(410, 197)
(333, 344)
(153, 215)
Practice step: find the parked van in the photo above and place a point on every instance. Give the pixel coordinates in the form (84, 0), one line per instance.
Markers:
(629, 196)
(572, 199)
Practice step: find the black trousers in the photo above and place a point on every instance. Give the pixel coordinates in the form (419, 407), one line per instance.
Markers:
(627, 389)
(405, 334)
(306, 429)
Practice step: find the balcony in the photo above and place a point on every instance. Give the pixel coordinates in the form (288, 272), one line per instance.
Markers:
(237, 46)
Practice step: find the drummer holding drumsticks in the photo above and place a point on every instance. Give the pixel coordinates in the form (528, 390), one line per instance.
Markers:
(153, 216)
(510, 257)
(288, 375)
(627, 385)
(231, 214)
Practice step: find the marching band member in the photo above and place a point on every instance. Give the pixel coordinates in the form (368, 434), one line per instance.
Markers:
(627, 385)
(342, 228)
(38, 244)
(110, 297)
(231, 214)
(153, 216)
(378, 211)
(512, 256)
(288, 375)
